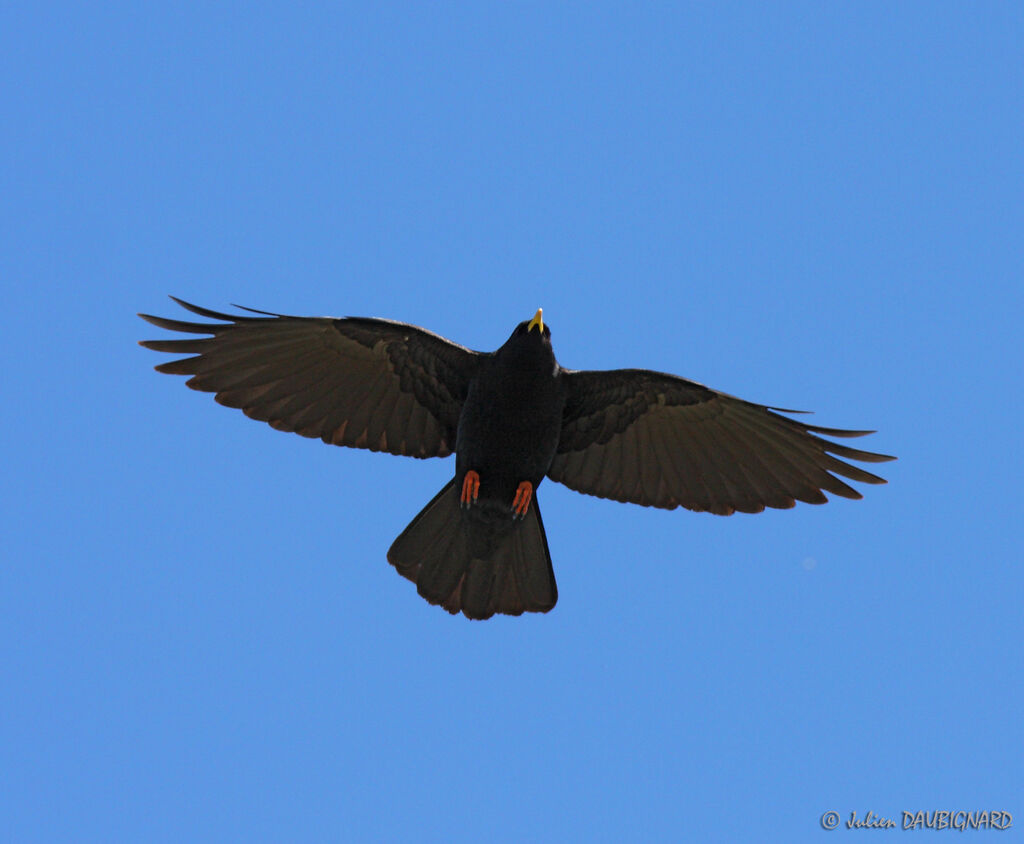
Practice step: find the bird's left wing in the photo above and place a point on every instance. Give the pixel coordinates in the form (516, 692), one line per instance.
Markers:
(662, 441)
(367, 383)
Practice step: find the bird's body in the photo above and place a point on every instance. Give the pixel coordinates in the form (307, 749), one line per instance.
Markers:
(509, 426)
(479, 546)
(512, 417)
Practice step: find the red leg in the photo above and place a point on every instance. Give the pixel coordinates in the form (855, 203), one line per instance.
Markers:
(521, 503)
(470, 488)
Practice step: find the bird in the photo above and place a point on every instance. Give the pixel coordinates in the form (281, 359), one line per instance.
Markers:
(512, 417)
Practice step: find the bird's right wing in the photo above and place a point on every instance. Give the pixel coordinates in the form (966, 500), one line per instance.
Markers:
(366, 383)
(662, 441)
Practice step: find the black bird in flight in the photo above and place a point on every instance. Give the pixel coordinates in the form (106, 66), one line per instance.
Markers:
(512, 417)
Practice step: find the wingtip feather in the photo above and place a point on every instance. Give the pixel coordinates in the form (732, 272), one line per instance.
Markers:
(207, 312)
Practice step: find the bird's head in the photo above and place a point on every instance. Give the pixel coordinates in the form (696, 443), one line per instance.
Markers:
(530, 337)
(534, 327)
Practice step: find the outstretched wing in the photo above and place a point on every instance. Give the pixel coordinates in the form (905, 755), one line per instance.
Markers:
(366, 383)
(661, 441)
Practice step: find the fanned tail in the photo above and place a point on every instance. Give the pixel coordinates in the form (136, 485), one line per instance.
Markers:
(479, 560)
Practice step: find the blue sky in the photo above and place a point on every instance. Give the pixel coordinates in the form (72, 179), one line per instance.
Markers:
(808, 205)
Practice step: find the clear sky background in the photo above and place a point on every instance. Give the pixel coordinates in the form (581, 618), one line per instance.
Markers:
(809, 205)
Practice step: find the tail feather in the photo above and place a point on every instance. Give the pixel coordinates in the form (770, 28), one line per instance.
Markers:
(477, 561)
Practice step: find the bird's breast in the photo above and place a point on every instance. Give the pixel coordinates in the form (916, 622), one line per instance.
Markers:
(509, 430)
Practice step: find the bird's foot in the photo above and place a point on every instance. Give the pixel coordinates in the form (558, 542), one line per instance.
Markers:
(521, 503)
(470, 489)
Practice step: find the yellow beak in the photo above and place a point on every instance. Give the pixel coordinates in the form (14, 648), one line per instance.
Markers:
(537, 321)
